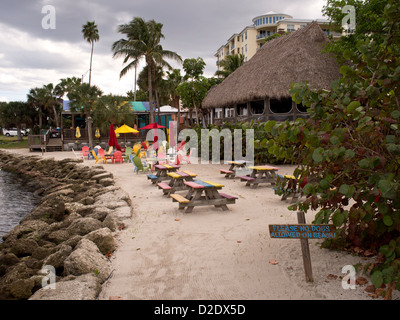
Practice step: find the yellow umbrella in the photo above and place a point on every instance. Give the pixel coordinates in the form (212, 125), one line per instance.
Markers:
(97, 134)
(78, 133)
(125, 129)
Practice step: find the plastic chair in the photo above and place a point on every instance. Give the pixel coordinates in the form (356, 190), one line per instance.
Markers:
(96, 157)
(85, 152)
(117, 157)
(128, 151)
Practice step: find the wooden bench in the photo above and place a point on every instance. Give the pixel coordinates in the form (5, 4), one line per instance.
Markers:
(191, 174)
(178, 198)
(231, 199)
(246, 178)
(152, 177)
(165, 187)
(228, 173)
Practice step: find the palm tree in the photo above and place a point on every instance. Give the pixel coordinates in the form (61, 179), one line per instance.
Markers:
(91, 35)
(229, 64)
(84, 99)
(143, 41)
(65, 86)
(45, 99)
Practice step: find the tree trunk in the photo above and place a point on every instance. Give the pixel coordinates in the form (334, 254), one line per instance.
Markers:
(149, 67)
(90, 69)
(89, 129)
(158, 106)
(19, 136)
(56, 116)
(40, 118)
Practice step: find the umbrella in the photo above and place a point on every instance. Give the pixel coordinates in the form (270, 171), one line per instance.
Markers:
(151, 126)
(112, 140)
(77, 133)
(126, 129)
(154, 125)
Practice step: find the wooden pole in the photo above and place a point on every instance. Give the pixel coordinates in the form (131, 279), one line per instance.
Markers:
(305, 250)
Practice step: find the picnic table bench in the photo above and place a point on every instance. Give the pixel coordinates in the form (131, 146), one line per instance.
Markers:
(231, 172)
(287, 185)
(260, 174)
(203, 193)
(176, 182)
(161, 172)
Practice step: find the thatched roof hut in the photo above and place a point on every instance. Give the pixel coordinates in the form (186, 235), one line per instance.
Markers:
(295, 57)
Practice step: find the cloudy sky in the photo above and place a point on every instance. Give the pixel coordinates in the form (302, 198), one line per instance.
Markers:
(31, 56)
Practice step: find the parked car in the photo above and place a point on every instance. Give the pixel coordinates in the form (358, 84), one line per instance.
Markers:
(13, 132)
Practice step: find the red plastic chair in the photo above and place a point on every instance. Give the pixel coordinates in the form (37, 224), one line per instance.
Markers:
(85, 152)
(118, 157)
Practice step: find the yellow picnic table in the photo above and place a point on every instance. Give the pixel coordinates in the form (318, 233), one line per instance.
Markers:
(260, 174)
(176, 182)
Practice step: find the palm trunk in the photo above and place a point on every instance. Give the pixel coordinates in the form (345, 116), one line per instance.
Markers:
(150, 92)
(56, 116)
(89, 129)
(90, 69)
(158, 106)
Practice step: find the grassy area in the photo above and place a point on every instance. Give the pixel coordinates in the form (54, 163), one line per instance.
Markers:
(13, 143)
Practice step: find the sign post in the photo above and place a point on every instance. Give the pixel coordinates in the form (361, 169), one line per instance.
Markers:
(303, 232)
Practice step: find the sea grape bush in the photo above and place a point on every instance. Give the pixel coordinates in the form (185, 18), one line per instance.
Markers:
(348, 151)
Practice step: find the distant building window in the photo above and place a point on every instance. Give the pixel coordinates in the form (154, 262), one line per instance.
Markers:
(241, 109)
(246, 35)
(280, 106)
(257, 107)
(274, 19)
(270, 20)
(264, 20)
(290, 27)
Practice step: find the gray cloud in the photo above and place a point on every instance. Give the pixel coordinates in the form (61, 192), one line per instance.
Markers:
(192, 28)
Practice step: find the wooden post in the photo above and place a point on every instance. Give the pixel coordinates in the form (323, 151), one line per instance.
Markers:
(305, 250)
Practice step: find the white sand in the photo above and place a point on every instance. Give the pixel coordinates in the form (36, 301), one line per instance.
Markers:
(166, 254)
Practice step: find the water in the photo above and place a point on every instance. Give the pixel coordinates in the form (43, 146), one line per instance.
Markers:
(16, 201)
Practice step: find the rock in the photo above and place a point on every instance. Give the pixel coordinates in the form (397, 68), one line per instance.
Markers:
(59, 236)
(103, 238)
(85, 287)
(24, 247)
(110, 222)
(41, 253)
(106, 182)
(86, 258)
(21, 289)
(56, 259)
(83, 226)
(101, 176)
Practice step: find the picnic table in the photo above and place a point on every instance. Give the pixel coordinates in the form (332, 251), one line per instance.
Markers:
(203, 193)
(260, 174)
(177, 181)
(231, 172)
(161, 172)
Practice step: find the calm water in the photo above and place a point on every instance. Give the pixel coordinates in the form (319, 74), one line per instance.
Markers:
(15, 201)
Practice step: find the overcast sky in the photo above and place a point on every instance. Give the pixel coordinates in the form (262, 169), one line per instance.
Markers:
(31, 56)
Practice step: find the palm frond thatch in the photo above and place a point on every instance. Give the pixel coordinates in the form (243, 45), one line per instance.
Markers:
(295, 57)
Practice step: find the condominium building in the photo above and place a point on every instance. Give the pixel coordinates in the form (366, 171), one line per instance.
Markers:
(252, 37)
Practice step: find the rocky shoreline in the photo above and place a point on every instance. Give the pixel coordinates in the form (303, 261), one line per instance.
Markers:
(72, 230)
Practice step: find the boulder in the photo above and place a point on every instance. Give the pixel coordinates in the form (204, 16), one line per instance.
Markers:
(87, 258)
(83, 226)
(103, 238)
(57, 259)
(84, 287)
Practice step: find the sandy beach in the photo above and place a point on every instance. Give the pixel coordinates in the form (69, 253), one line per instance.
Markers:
(166, 254)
